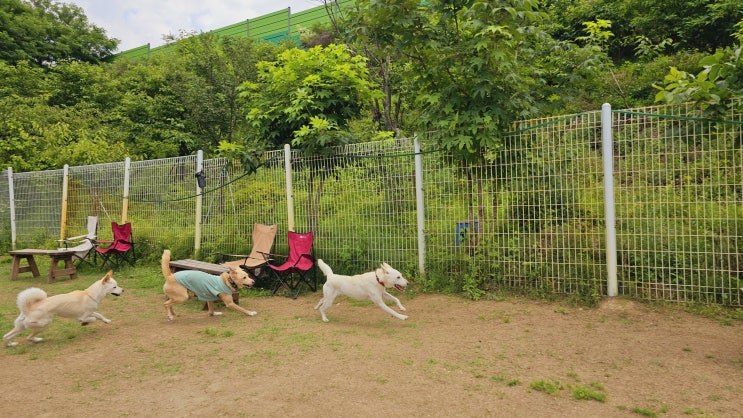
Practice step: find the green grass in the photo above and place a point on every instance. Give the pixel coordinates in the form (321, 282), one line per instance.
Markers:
(593, 392)
(551, 387)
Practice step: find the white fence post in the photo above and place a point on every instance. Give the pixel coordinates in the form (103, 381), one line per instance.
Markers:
(65, 192)
(11, 196)
(289, 187)
(420, 207)
(609, 208)
(125, 198)
(199, 204)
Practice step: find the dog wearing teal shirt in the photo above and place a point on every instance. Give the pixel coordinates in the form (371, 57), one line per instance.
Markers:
(207, 287)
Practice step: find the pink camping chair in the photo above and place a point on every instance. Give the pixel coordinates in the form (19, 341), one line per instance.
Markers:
(296, 270)
(120, 249)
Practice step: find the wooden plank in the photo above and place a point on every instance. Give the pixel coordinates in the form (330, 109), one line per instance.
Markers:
(189, 264)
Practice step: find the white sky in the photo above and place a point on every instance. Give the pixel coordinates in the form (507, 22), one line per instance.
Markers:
(138, 22)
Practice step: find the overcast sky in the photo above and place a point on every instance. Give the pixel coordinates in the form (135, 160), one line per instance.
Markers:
(138, 22)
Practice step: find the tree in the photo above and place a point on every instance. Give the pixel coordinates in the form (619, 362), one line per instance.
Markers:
(712, 89)
(207, 72)
(307, 97)
(46, 32)
(675, 24)
(376, 30)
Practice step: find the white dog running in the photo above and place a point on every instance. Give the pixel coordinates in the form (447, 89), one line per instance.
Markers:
(38, 309)
(367, 286)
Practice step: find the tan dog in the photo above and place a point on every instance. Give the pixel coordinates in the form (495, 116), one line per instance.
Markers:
(366, 286)
(207, 287)
(38, 309)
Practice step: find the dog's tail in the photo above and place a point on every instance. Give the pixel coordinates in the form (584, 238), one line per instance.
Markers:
(325, 268)
(28, 297)
(165, 266)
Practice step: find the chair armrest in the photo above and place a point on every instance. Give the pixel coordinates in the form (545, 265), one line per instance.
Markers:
(68, 239)
(79, 238)
(232, 255)
(305, 256)
(269, 256)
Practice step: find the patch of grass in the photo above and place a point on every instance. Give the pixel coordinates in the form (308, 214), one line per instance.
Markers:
(593, 392)
(644, 412)
(550, 387)
(211, 332)
(506, 380)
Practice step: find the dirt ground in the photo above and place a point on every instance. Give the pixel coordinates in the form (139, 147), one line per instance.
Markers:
(453, 357)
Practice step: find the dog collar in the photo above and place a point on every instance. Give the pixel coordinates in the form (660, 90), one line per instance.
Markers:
(380, 283)
(233, 285)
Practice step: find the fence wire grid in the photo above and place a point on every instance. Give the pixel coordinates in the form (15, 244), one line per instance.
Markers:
(529, 216)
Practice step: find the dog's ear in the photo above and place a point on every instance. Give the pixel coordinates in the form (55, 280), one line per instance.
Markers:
(386, 267)
(108, 276)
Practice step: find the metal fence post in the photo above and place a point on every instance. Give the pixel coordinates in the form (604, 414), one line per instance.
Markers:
(420, 207)
(289, 187)
(65, 191)
(199, 204)
(11, 197)
(125, 198)
(609, 205)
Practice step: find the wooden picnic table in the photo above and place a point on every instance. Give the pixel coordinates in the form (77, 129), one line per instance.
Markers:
(57, 256)
(211, 268)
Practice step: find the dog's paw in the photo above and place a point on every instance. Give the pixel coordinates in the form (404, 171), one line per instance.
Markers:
(252, 313)
(402, 308)
(106, 321)
(403, 317)
(216, 313)
(35, 339)
(12, 344)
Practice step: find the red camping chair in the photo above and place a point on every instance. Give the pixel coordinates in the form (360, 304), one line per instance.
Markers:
(296, 269)
(120, 249)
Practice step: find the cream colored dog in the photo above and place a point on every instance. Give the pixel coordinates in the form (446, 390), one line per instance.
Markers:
(207, 287)
(38, 309)
(367, 286)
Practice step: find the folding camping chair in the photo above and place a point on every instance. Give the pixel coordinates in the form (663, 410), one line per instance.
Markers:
(296, 269)
(83, 243)
(120, 249)
(253, 263)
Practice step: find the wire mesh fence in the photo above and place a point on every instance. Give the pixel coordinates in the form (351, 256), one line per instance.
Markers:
(529, 215)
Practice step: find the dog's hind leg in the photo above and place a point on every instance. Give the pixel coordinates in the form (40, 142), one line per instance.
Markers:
(326, 302)
(394, 299)
(33, 338)
(169, 306)
(19, 328)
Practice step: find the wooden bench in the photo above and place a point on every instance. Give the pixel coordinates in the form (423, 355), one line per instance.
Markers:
(210, 268)
(57, 256)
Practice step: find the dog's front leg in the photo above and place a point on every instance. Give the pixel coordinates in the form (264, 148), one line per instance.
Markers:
(380, 302)
(92, 317)
(394, 299)
(228, 302)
